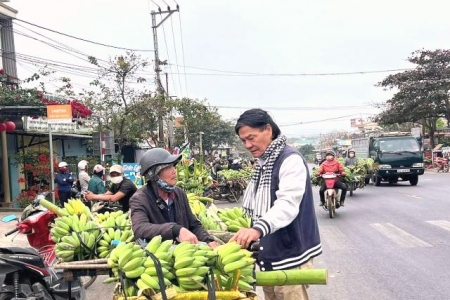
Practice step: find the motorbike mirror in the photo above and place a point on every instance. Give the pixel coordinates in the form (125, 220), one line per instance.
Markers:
(9, 218)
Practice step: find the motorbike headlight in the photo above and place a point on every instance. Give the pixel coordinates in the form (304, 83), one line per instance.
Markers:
(417, 165)
(385, 167)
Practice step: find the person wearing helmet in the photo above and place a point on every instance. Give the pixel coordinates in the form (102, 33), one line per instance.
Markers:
(331, 165)
(120, 191)
(64, 181)
(96, 184)
(160, 207)
(83, 176)
(351, 159)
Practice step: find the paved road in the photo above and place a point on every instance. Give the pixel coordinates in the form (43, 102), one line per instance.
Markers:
(388, 242)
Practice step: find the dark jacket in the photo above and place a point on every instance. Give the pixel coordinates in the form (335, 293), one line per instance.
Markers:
(350, 161)
(150, 216)
(64, 182)
(295, 244)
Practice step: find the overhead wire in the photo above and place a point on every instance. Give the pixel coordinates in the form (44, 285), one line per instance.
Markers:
(82, 39)
(322, 120)
(168, 57)
(182, 50)
(176, 57)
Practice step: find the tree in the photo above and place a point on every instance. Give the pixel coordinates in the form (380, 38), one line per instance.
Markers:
(198, 116)
(330, 139)
(129, 112)
(306, 150)
(422, 93)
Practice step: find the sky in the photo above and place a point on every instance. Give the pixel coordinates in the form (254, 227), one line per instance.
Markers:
(219, 50)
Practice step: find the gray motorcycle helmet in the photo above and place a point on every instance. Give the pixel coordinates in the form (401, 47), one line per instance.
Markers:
(155, 157)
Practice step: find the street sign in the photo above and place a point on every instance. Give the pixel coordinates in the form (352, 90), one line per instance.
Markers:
(59, 114)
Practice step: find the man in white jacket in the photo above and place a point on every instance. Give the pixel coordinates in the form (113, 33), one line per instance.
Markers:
(83, 176)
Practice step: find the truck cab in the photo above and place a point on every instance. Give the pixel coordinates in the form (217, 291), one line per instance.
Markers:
(398, 158)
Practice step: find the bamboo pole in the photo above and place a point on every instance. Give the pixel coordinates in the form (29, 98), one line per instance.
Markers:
(291, 277)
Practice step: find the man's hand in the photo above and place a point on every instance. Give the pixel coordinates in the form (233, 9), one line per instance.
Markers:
(89, 196)
(245, 236)
(187, 236)
(213, 245)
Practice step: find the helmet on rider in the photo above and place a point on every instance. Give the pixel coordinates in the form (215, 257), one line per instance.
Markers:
(351, 153)
(153, 162)
(82, 165)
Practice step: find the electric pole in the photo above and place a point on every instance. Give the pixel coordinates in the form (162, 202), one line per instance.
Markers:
(159, 86)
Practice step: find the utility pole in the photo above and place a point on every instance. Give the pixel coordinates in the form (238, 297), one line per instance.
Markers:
(160, 88)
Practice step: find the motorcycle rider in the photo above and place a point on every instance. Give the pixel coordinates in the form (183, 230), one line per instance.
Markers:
(351, 159)
(331, 165)
(96, 184)
(120, 191)
(64, 180)
(83, 176)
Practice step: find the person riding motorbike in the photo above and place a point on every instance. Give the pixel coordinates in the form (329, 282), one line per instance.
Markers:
(216, 168)
(331, 165)
(351, 159)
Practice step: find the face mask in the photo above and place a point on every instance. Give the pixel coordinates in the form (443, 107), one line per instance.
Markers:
(116, 180)
(62, 170)
(351, 155)
(330, 157)
(164, 186)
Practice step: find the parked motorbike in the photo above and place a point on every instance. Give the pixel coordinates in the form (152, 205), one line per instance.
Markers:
(27, 273)
(331, 194)
(225, 190)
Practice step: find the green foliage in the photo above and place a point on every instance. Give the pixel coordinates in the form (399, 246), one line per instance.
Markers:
(199, 116)
(422, 93)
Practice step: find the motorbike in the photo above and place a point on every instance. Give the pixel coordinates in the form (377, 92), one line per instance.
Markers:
(331, 194)
(442, 165)
(27, 273)
(223, 189)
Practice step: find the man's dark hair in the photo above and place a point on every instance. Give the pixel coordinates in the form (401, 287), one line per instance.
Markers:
(257, 118)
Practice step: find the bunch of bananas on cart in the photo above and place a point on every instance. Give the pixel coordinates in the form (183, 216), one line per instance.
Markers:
(75, 235)
(191, 265)
(115, 226)
(235, 266)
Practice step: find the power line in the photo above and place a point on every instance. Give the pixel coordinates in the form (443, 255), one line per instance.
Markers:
(322, 120)
(182, 50)
(239, 73)
(296, 107)
(81, 39)
(176, 56)
(168, 57)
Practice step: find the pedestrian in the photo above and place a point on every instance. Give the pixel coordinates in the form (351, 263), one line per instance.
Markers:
(162, 208)
(120, 190)
(279, 200)
(83, 176)
(64, 181)
(96, 184)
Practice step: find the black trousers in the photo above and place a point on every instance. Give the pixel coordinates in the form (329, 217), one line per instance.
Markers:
(63, 197)
(337, 185)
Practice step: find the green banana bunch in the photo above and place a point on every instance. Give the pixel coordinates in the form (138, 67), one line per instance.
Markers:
(192, 264)
(75, 237)
(234, 261)
(104, 246)
(234, 218)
